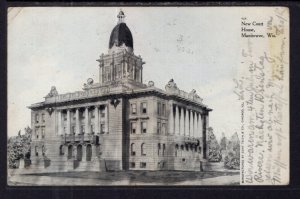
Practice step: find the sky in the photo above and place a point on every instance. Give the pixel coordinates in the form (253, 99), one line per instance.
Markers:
(59, 46)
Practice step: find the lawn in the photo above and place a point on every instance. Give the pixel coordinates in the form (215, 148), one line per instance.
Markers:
(140, 177)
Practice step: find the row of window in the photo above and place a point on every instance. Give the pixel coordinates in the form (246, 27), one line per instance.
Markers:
(143, 127)
(143, 108)
(161, 128)
(142, 164)
(161, 108)
(36, 150)
(82, 129)
(108, 76)
(187, 148)
(133, 149)
(37, 133)
(39, 119)
(82, 114)
(161, 149)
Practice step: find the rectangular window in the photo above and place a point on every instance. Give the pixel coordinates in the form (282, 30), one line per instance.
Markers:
(144, 127)
(102, 128)
(158, 108)
(133, 128)
(92, 128)
(37, 118)
(164, 149)
(163, 128)
(37, 133)
(163, 109)
(82, 129)
(43, 117)
(133, 108)
(158, 149)
(158, 127)
(143, 107)
(132, 164)
(143, 165)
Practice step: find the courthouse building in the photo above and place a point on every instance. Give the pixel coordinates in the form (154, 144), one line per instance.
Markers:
(118, 122)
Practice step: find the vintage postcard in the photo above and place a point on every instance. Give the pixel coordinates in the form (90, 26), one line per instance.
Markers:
(157, 96)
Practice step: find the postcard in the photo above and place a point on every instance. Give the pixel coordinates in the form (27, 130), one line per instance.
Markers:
(101, 96)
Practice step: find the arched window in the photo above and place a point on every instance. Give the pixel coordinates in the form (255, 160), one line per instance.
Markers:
(132, 149)
(70, 151)
(36, 151)
(164, 149)
(61, 150)
(158, 149)
(79, 152)
(88, 152)
(143, 149)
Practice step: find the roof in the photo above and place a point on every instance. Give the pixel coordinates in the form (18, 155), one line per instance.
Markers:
(121, 35)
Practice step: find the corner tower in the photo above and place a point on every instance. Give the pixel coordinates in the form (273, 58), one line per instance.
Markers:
(120, 66)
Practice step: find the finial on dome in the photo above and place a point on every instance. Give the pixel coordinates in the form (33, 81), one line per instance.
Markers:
(121, 16)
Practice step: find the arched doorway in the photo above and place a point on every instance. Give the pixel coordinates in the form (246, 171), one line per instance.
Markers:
(79, 152)
(88, 152)
(70, 151)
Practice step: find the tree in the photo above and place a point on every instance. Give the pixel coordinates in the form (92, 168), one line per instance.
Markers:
(232, 158)
(214, 154)
(18, 147)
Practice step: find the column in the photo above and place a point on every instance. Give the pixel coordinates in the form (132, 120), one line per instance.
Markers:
(68, 122)
(83, 153)
(196, 125)
(191, 124)
(141, 74)
(181, 121)
(77, 122)
(96, 119)
(86, 119)
(199, 125)
(133, 71)
(106, 118)
(59, 123)
(204, 135)
(100, 74)
(186, 123)
(176, 120)
(171, 119)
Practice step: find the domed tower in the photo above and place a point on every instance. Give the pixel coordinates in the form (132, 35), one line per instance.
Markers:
(121, 35)
(120, 65)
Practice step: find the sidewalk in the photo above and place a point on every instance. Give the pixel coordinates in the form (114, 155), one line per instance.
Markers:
(29, 180)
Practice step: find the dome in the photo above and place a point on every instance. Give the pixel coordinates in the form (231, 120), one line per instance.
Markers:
(121, 34)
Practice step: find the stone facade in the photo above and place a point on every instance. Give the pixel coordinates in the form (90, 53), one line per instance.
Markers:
(119, 123)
